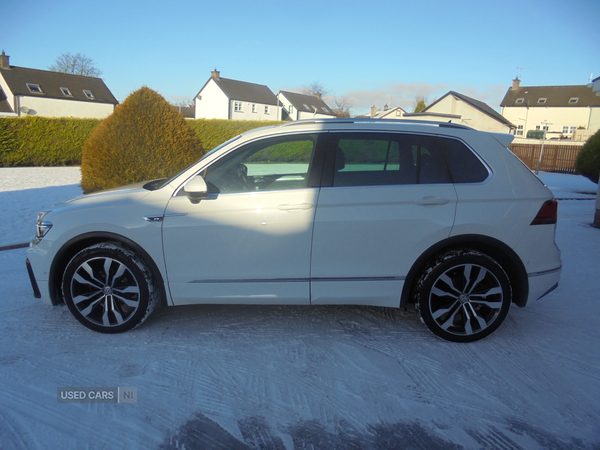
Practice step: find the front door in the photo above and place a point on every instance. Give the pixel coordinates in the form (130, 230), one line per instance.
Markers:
(250, 240)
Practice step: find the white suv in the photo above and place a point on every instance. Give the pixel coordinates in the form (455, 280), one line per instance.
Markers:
(321, 212)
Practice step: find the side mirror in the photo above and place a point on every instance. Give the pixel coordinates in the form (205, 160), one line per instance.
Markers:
(196, 189)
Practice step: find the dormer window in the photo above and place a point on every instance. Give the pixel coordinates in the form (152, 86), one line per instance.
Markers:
(66, 92)
(573, 100)
(35, 88)
(542, 100)
(89, 94)
(520, 101)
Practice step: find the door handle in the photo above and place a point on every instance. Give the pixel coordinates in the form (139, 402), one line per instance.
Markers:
(431, 200)
(295, 206)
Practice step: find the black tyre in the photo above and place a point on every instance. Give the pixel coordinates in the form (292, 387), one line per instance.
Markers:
(108, 288)
(463, 296)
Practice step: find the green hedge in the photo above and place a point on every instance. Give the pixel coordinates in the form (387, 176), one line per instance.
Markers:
(213, 132)
(42, 141)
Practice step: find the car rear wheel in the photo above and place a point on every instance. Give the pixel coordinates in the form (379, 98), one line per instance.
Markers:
(463, 295)
(108, 288)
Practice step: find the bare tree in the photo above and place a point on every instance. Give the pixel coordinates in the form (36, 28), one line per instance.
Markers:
(342, 105)
(76, 64)
(314, 88)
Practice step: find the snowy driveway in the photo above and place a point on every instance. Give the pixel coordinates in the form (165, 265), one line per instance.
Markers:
(256, 377)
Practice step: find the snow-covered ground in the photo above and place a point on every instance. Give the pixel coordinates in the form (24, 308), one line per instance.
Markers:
(244, 377)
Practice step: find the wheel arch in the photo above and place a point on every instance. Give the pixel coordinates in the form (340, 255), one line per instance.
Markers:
(78, 243)
(502, 253)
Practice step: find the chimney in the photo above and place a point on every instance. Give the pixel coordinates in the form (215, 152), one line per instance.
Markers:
(216, 75)
(386, 107)
(373, 111)
(318, 95)
(4, 61)
(516, 84)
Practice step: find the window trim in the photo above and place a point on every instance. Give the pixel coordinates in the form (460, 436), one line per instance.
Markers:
(35, 88)
(573, 100)
(520, 101)
(89, 94)
(238, 107)
(66, 92)
(542, 100)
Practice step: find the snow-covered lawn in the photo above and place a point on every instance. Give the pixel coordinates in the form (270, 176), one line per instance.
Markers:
(241, 377)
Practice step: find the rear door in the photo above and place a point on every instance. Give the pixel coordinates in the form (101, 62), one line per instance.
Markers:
(386, 199)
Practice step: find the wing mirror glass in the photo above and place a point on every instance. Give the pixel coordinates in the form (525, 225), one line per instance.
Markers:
(196, 189)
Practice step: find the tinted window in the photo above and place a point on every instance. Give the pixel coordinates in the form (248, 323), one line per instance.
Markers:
(364, 159)
(464, 166)
(268, 164)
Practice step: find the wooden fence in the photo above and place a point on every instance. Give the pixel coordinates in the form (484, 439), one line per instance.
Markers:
(556, 157)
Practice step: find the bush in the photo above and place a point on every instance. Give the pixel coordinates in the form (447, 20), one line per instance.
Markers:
(145, 138)
(43, 141)
(588, 159)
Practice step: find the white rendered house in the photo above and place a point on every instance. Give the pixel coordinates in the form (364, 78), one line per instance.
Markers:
(45, 93)
(222, 98)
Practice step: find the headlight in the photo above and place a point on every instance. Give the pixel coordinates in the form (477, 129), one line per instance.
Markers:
(43, 226)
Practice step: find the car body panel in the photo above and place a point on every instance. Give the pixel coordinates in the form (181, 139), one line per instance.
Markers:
(320, 244)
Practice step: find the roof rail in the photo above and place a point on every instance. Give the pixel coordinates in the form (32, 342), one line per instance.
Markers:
(378, 121)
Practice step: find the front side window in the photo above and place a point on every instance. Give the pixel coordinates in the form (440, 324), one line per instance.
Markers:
(253, 107)
(237, 107)
(267, 110)
(519, 131)
(368, 159)
(269, 164)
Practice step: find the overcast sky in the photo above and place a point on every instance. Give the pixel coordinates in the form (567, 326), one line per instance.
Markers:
(375, 52)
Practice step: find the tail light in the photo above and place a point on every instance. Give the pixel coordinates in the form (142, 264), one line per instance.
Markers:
(547, 214)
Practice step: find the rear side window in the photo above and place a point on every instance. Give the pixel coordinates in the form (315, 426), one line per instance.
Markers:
(464, 166)
(367, 159)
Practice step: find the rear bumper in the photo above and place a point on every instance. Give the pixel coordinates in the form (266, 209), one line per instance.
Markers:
(542, 283)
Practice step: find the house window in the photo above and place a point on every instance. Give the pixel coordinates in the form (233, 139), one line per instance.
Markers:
(291, 109)
(66, 92)
(572, 130)
(542, 100)
(398, 113)
(253, 107)
(237, 107)
(542, 127)
(573, 100)
(565, 130)
(89, 94)
(306, 107)
(519, 131)
(519, 101)
(267, 110)
(35, 88)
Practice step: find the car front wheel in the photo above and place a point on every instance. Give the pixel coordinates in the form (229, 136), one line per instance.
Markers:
(463, 295)
(108, 288)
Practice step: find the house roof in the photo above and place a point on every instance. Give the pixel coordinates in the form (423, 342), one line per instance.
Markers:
(4, 106)
(481, 106)
(387, 112)
(561, 96)
(307, 103)
(52, 82)
(243, 91)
